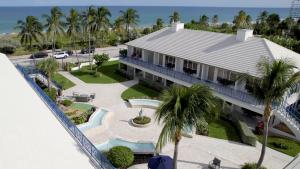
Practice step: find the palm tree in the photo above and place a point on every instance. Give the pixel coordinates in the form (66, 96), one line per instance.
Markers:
(215, 20)
(49, 66)
(54, 25)
(175, 17)
(30, 30)
(89, 17)
(204, 21)
(73, 27)
(277, 79)
(181, 107)
(242, 20)
(159, 24)
(102, 23)
(129, 19)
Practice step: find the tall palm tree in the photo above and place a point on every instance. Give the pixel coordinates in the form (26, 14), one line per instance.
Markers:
(73, 27)
(181, 107)
(159, 24)
(242, 20)
(54, 25)
(102, 23)
(129, 19)
(277, 79)
(215, 20)
(30, 30)
(49, 66)
(175, 17)
(89, 18)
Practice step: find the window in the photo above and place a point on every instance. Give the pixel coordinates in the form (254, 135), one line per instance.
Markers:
(189, 67)
(170, 61)
(225, 77)
(137, 53)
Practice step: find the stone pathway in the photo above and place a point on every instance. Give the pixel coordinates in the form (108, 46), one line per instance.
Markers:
(194, 153)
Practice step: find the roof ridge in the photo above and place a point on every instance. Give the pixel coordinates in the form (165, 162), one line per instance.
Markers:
(268, 47)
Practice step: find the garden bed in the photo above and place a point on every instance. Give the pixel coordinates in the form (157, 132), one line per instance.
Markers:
(143, 121)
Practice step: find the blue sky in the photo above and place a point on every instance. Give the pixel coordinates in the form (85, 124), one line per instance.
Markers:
(217, 3)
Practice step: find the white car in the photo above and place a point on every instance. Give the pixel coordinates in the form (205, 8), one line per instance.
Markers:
(61, 55)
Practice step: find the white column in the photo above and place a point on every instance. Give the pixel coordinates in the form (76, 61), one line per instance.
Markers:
(216, 75)
(144, 75)
(143, 55)
(198, 70)
(164, 61)
(155, 59)
(204, 73)
(179, 64)
(129, 50)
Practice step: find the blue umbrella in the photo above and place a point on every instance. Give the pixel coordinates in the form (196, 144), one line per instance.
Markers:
(160, 162)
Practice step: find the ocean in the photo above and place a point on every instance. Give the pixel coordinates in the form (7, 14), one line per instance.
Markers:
(148, 14)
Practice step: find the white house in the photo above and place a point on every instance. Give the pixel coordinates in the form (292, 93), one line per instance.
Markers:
(175, 55)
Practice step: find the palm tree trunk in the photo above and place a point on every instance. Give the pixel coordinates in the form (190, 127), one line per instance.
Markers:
(90, 50)
(49, 81)
(175, 156)
(267, 113)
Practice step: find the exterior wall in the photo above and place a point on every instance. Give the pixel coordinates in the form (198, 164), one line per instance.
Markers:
(179, 64)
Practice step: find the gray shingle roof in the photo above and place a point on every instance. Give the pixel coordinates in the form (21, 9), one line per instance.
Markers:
(216, 49)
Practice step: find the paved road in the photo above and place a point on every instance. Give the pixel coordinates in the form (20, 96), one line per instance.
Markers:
(113, 52)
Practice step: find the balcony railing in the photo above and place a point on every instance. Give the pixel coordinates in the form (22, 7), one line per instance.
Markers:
(286, 110)
(94, 154)
(242, 96)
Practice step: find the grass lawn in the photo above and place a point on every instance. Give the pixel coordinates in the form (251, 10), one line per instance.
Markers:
(140, 92)
(81, 106)
(108, 74)
(64, 82)
(292, 147)
(223, 130)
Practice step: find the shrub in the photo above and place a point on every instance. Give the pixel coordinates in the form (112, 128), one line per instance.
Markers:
(8, 46)
(259, 128)
(78, 120)
(123, 52)
(96, 74)
(52, 93)
(202, 127)
(8, 50)
(123, 73)
(66, 103)
(120, 156)
(280, 145)
(245, 133)
(142, 120)
(252, 166)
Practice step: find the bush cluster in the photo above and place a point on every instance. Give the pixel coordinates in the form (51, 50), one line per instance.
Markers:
(52, 93)
(151, 84)
(83, 118)
(202, 127)
(123, 52)
(8, 46)
(142, 120)
(252, 166)
(280, 145)
(67, 103)
(123, 73)
(120, 156)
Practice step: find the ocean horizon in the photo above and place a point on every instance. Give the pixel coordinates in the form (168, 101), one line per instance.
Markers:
(148, 14)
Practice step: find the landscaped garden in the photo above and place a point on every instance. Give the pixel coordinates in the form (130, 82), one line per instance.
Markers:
(107, 74)
(64, 82)
(284, 145)
(140, 92)
(78, 112)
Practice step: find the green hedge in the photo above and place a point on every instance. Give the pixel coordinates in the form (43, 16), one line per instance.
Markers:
(120, 156)
(245, 133)
(66, 103)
